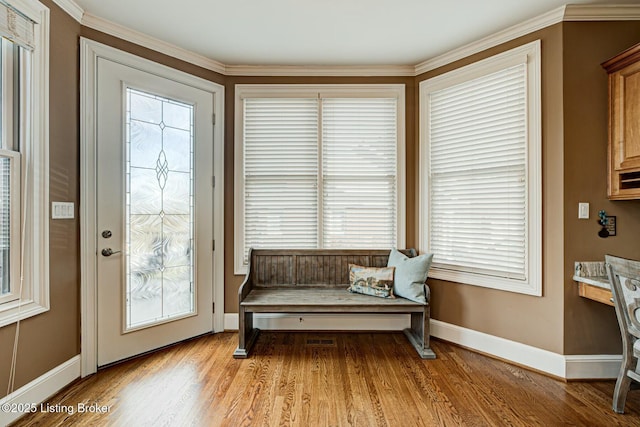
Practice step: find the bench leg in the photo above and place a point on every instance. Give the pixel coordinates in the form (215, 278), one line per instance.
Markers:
(247, 334)
(418, 334)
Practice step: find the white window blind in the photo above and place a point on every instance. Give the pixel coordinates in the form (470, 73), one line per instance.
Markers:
(318, 172)
(5, 225)
(281, 172)
(16, 27)
(9, 224)
(359, 172)
(478, 175)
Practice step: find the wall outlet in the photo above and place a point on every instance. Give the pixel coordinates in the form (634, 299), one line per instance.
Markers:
(583, 210)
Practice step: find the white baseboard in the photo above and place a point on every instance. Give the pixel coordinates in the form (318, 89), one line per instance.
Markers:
(522, 354)
(38, 390)
(572, 367)
(593, 366)
(231, 322)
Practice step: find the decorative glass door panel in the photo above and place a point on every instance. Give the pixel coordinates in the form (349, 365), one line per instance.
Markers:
(159, 210)
(154, 157)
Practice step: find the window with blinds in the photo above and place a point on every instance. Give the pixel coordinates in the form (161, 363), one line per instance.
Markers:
(24, 170)
(317, 170)
(480, 163)
(17, 32)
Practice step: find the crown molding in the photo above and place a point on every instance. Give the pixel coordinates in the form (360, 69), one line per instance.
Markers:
(360, 71)
(595, 12)
(539, 22)
(152, 43)
(72, 8)
(147, 41)
(571, 12)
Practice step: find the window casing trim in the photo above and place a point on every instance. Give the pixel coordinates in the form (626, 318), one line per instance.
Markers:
(530, 55)
(34, 134)
(243, 91)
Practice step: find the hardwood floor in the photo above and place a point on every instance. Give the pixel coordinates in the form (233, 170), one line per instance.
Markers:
(328, 379)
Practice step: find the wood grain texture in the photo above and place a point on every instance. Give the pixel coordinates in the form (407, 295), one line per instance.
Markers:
(315, 281)
(316, 267)
(624, 276)
(369, 379)
(331, 298)
(624, 125)
(595, 293)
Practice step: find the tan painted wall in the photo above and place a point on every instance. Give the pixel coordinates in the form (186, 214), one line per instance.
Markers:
(536, 321)
(52, 338)
(591, 327)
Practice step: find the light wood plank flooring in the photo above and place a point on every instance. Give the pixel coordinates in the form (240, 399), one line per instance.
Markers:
(329, 379)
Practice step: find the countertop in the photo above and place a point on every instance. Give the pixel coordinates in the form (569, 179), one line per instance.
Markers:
(592, 273)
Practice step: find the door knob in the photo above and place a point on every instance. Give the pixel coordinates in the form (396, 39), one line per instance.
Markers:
(109, 252)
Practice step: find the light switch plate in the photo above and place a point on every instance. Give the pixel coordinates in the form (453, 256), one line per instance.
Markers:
(583, 210)
(62, 210)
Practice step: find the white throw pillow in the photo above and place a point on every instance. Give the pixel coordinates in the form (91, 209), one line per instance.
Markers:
(411, 275)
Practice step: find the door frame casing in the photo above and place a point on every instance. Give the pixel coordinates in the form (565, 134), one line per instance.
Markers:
(90, 51)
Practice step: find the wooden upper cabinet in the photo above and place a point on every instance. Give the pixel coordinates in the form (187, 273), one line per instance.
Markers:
(624, 124)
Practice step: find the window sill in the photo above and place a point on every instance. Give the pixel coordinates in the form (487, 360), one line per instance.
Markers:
(241, 270)
(527, 287)
(12, 312)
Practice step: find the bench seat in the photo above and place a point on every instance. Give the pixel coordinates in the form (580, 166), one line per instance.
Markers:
(324, 300)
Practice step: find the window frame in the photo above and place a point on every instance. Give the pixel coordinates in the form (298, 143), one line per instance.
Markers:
(530, 55)
(242, 91)
(34, 148)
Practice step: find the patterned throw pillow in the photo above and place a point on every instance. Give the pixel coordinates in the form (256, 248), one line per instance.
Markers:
(371, 280)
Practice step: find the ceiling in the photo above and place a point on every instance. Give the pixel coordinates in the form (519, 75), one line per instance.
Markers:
(321, 32)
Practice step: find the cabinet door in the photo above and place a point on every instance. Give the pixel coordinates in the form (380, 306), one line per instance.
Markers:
(626, 111)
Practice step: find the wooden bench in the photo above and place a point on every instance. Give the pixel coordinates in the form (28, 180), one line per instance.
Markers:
(316, 281)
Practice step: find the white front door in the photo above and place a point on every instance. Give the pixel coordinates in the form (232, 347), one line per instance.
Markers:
(154, 217)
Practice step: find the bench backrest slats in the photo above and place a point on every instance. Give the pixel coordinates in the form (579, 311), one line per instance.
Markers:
(317, 268)
(271, 269)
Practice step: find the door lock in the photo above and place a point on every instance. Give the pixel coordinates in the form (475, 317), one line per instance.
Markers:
(106, 234)
(109, 252)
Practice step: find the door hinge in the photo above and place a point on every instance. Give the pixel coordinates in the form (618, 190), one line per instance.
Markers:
(213, 245)
(213, 181)
(213, 118)
(213, 307)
